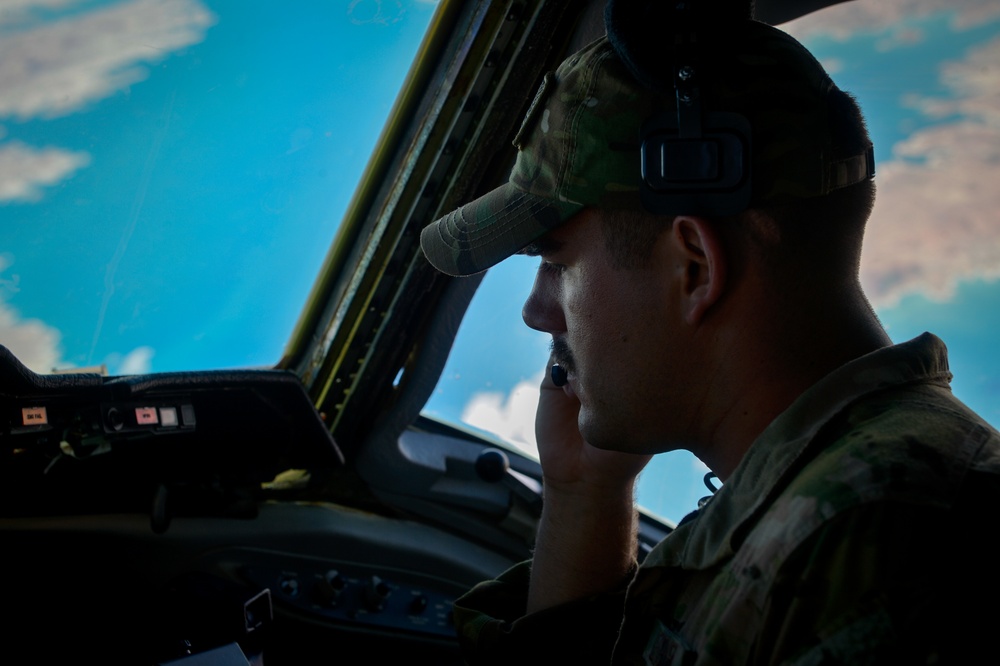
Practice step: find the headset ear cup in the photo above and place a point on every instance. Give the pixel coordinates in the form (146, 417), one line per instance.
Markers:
(707, 175)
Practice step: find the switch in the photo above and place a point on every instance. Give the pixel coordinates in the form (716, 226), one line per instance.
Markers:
(146, 416)
(168, 417)
(418, 605)
(34, 416)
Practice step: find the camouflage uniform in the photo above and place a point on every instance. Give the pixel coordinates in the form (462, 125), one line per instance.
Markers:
(853, 531)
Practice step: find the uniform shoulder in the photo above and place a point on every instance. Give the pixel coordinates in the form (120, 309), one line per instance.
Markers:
(912, 444)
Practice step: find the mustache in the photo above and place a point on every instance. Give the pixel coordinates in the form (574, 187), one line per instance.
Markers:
(562, 355)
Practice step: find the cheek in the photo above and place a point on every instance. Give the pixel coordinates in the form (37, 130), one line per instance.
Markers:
(607, 324)
(633, 311)
(638, 336)
(588, 313)
(618, 317)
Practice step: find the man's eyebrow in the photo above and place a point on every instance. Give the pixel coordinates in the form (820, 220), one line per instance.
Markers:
(544, 245)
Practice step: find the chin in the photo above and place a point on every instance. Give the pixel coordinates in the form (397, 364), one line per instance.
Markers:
(607, 436)
(619, 436)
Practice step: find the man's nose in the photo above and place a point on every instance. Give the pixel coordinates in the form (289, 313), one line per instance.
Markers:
(541, 310)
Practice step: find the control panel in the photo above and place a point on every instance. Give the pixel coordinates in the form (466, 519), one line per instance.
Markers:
(351, 593)
(170, 444)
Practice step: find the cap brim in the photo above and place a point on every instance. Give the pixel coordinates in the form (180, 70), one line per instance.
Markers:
(486, 231)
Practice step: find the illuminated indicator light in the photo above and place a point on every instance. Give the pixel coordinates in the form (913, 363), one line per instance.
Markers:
(146, 416)
(168, 416)
(34, 416)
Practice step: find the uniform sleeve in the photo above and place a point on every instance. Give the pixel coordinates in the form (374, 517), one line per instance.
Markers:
(493, 627)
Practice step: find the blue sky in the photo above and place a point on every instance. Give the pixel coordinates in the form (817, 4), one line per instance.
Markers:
(172, 173)
(199, 157)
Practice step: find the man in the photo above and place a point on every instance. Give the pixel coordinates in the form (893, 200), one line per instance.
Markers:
(728, 321)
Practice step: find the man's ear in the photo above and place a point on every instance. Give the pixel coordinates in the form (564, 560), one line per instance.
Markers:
(703, 263)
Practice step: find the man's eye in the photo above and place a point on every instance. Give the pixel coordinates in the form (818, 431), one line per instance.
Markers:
(549, 267)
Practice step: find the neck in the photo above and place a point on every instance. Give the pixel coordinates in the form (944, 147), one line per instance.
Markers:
(770, 362)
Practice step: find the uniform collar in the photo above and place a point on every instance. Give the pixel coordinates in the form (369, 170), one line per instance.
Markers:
(766, 468)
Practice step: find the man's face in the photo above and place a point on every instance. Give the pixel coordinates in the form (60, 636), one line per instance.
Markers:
(613, 330)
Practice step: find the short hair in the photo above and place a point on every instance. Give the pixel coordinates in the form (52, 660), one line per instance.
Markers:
(629, 236)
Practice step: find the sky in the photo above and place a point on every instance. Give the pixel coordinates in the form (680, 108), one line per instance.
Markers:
(172, 173)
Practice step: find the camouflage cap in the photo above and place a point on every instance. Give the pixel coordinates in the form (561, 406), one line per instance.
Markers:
(579, 143)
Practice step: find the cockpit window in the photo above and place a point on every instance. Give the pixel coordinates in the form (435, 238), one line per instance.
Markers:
(926, 74)
(172, 172)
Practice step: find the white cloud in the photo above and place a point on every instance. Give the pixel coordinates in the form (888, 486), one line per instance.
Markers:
(25, 170)
(137, 362)
(55, 67)
(15, 11)
(383, 12)
(512, 417)
(58, 67)
(33, 342)
(974, 83)
(934, 223)
(37, 344)
(863, 16)
(832, 65)
(900, 37)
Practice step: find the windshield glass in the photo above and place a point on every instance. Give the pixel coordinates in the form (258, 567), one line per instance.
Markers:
(172, 172)
(927, 74)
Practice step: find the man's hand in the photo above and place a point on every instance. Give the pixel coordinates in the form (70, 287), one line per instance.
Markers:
(569, 463)
(587, 535)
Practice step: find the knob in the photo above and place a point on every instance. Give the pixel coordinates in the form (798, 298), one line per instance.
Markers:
(376, 593)
(492, 465)
(115, 419)
(289, 586)
(329, 587)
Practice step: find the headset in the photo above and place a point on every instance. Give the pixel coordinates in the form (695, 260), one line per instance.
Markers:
(693, 161)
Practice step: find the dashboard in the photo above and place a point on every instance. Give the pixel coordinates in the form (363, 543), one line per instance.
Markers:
(148, 520)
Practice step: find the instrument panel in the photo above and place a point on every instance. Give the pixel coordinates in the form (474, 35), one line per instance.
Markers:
(138, 528)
